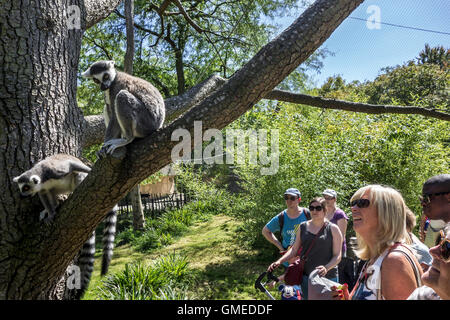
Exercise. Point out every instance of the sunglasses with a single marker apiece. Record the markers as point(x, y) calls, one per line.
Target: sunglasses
point(426, 198)
point(318, 208)
point(444, 243)
point(361, 203)
point(292, 198)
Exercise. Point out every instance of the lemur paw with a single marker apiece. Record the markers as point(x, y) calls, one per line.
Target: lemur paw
point(43, 215)
point(48, 221)
point(102, 152)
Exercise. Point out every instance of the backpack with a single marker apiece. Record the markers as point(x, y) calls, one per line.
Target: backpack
point(281, 217)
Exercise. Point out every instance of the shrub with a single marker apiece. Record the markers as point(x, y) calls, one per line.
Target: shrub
point(165, 278)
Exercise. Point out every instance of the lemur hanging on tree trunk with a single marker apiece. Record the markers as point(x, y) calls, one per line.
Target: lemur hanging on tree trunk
point(58, 175)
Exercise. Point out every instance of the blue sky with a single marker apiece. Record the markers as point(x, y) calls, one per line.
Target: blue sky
point(361, 52)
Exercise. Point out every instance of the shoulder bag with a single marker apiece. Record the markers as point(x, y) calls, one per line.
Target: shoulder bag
point(294, 273)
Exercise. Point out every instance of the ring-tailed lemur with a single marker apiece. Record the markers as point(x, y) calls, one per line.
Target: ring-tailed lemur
point(55, 175)
point(61, 174)
point(134, 107)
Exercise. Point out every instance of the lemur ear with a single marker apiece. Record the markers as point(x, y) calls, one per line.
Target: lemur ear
point(16, 179)
point(87, 73)
point(111, 63)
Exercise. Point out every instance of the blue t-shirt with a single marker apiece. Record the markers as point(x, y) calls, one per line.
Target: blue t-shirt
point(290, 227)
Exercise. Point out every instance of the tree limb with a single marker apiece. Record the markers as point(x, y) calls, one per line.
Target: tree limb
point(320, 102)
point(187, 17)
point(163, 7)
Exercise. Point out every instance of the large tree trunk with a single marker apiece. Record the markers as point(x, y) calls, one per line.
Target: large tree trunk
point(39, 55)
point(39, 117)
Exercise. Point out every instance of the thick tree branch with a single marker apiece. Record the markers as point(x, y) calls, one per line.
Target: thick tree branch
point(97, 10)
point(320, 102)
point(93, 131)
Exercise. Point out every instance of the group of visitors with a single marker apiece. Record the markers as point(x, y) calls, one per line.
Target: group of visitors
point(396, 264)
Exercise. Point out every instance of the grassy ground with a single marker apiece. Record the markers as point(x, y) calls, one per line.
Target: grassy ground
point(222, 269)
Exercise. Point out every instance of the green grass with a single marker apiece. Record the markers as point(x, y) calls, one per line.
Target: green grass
point(219, 266)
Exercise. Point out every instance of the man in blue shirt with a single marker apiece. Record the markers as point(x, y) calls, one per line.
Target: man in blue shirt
point(290, 221)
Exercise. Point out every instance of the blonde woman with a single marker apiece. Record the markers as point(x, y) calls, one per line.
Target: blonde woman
point(391, 272)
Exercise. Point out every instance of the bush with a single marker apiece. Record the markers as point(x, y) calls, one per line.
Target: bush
point(339, 150)
point(173, 223)
point(165, 279)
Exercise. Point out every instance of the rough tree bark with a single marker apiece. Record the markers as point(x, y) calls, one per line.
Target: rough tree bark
point(39, 53)
point(39, 117)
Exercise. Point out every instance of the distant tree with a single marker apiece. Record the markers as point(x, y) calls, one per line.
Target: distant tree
point(422, 83)
point(411, 84)
point(437, 55)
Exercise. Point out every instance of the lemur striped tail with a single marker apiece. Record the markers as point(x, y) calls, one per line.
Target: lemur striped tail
point(85, 261)
point(109, 233)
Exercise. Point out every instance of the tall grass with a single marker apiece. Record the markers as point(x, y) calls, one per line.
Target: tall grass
point(166, 278)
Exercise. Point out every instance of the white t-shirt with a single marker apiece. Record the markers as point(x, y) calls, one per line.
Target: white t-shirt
point(432, 232)
point(424, 293)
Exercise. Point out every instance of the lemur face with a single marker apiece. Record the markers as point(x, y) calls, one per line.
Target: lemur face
point(28, 186)
point(102, 72)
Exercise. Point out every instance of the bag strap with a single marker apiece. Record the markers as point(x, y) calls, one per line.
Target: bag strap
point(314, 240)
point(307, 213)
point(281, 220)
point(411, 261)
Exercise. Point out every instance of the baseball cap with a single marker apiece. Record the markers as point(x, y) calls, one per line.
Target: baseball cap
point(294, 192)
point(330, 192)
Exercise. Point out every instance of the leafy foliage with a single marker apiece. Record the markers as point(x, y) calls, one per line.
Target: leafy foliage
point(343, 151)
point(165, 279)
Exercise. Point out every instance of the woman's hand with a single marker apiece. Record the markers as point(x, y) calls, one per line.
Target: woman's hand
point(273, 266)
point(322, 270)
point(340, 293)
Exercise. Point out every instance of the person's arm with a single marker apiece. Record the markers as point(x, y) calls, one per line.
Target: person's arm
point(397, 277)
point(290, 253)
point(342, 224)
point(272, 238)
point(337, 251)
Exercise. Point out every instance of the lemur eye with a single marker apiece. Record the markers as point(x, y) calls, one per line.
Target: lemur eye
point(96, 80)
point(105, 77)
point(25, 188)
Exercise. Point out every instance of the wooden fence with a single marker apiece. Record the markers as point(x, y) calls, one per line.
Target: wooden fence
point(154, 203)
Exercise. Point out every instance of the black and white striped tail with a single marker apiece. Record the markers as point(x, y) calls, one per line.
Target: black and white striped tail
point(85, 261)
point(109, 233)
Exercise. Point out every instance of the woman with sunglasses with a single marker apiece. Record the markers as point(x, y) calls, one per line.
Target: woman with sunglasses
point(437, 277)
point(325, 254)
point(391, 272)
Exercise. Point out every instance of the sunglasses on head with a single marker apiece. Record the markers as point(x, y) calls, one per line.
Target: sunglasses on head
point(317, 208)
point(444, 245)
point(360, 203)
point(427, 197)
point(288, 197)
